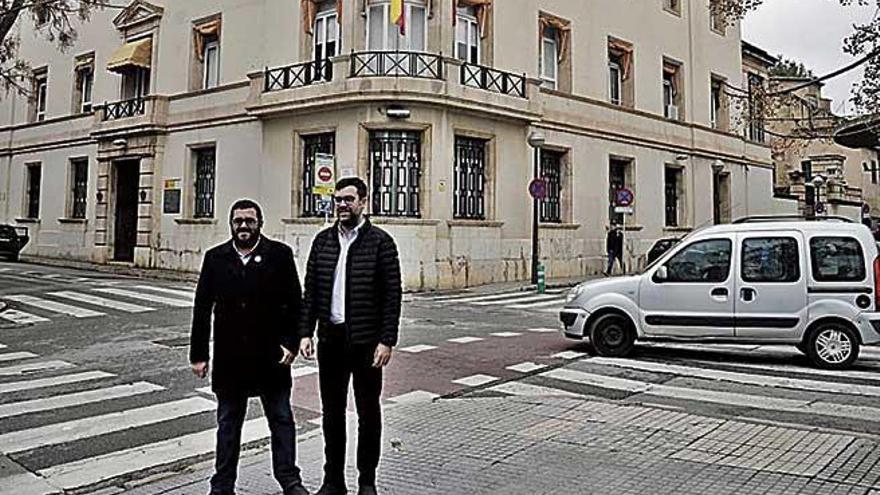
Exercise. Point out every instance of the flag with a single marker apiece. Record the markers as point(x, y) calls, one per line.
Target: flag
point(397, 15)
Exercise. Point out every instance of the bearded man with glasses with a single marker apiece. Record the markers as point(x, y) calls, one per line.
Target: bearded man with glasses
point(251, 286)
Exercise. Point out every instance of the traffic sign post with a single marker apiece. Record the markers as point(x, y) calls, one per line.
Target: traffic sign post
point(623, 201)
point(324, 182)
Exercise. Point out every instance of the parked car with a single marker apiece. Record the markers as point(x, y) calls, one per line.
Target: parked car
point(659, 247)
point(12, 241)
point(812, 284)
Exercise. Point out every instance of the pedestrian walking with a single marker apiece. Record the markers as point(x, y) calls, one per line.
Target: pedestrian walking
point(614, 248)
point(353, 294)
point(250, 284)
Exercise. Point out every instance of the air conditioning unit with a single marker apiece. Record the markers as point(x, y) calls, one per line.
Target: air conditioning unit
point(672, 112)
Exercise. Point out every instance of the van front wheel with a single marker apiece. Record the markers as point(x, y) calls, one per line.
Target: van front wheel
point(832, 346)
point(612, 335)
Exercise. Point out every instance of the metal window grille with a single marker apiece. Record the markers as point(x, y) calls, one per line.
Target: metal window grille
point(671, 194)
point(551, 171)
point(205, 174)
point(470, 178)
point(312, 145)
point(395, 169)
point(80, 187)
point(616, 181)
point(33, 191)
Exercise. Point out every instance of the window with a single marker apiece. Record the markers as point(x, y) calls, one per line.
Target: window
point(717, 22)
point(770, 259)
point(382, 35)
point(467, 35)
point(32, 193)
point(39, 88)
point(717, 103)
point(549, 68)
point(212, 65)
point(673, 6)
point(326, 34)
point(395, 173)
point(618, 178)
point(837, 259)
point(551, 172)
point(206, 54)
point(205, 170)
point(312, 145)
point(620, 66)
point(615, 81)
point(756, 107)
point(470, 178)
point(701, 262)
point(673, 101)
point(84, 78)
point(807, 170)
point(135, 83)
point(672, 190)
point(79, 187)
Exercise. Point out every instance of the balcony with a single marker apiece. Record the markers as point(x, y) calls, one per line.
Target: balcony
point(144, 115)
point(408, 77)
point(123, 109)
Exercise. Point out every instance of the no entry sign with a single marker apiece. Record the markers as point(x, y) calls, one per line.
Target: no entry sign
point(324, 175)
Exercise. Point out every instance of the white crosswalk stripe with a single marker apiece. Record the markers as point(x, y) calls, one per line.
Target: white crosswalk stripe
point(168, 301)
point(19, 386)
point(15, 356)
point(549, 302)
point(185, 294)
point(21, 318)
point(519, 299)
point(556, 301)
point(30, 368)
point(55, 307)
point(101, 301)
point(76, 399)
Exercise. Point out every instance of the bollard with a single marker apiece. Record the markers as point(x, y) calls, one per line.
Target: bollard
point(542, 286)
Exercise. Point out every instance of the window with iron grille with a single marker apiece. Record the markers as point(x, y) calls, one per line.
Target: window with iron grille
point(470, 178)
point(34, 174)
point(205, 169)
point(313, 144)
point(395, 173)
point(617, 173)
point(551, 171)
point(80, 177)
point(672, 183)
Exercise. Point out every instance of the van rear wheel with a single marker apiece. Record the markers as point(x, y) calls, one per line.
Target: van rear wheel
point(832, 346)
point(612, 335)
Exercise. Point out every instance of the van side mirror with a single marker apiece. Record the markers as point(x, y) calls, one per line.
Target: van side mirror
point(661, 274)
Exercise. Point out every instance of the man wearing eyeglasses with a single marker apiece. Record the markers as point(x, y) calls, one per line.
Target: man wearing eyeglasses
point(250, 284)
point(353, 294)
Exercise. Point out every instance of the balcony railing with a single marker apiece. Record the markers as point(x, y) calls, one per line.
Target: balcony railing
point(499, 81)
point(397, 64)
point(124, 109)
point(298, 75)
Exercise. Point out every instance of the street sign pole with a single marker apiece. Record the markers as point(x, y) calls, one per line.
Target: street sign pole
point(535, 221)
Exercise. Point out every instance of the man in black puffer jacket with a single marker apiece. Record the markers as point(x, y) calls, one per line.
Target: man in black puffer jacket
point(353, 293)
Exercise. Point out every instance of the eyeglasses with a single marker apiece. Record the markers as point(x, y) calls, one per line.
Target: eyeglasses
point(239, 221)
point(345, 199)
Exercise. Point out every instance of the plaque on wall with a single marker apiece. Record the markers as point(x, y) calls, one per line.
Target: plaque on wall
point(171, 201)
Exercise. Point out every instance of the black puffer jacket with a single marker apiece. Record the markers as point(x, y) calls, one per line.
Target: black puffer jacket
point(372, 286)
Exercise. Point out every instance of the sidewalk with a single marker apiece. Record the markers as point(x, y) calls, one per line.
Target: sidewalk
point(560, 445)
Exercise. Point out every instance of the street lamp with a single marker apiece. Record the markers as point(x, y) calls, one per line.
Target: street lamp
point(536, 141)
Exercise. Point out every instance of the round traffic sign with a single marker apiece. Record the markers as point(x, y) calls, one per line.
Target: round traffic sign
point(538, 188)
point(866, 208)
point(624, 197)
point(820, 207)
point(325, 174)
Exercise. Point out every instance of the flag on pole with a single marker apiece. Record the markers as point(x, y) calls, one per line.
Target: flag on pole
point(397, 15)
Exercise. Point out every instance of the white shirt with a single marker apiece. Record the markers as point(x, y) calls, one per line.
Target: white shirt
point(337, 303)
point(246, 257)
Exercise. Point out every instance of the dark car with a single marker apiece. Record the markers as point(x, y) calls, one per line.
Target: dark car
point(660, 247)
point(12, 241)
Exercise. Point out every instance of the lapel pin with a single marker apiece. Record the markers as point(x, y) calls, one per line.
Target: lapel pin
point(258, 258)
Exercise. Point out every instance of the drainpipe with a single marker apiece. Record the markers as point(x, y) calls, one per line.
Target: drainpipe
point(7, 191)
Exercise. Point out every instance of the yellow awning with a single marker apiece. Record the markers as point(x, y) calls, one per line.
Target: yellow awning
point(134, 54)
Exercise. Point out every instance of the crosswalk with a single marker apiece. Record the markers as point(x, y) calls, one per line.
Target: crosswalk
point(549, 302)
point(91, 302)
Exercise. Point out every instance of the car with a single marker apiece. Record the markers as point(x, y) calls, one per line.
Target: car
point(12, 240)
point(760, 280)
point(659, 247)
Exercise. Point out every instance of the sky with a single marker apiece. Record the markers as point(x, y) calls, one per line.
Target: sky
point(812, 32)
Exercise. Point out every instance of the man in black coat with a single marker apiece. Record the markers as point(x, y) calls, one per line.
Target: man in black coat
point(614, 247)
point(353, 293)
point(251, 286)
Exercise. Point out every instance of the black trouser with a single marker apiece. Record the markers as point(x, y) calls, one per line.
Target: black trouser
point(337, 362)
point(231, 411)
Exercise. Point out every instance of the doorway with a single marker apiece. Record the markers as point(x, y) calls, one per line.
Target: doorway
point(126, 209)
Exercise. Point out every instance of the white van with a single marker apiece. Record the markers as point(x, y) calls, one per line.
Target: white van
point(761, 280)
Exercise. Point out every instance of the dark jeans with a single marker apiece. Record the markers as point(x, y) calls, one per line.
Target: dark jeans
point(231, 411)
point(337, 363)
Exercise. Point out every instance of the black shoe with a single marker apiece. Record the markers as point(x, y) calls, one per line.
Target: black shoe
point(331, 489)
point(367, 490)
point(297, 489)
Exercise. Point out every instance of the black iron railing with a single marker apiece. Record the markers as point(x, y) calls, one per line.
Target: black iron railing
point(298, 75)
point(125, 108)
point(499, 81)
point(397, 63)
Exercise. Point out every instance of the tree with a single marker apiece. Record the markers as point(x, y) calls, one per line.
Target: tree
point(790, 68)
point(53, 19)
point(862, 43)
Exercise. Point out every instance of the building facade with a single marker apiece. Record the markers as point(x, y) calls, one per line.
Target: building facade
point(134, 143)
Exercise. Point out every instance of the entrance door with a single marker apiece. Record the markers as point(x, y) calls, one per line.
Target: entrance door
point(126, 212)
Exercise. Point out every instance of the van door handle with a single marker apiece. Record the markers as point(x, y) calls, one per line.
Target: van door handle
point(719, 292)
point(747, 294)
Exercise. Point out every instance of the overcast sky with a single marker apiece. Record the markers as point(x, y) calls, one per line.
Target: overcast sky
point(812, 32)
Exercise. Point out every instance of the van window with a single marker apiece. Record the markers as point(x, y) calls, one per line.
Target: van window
point(770, 259)
point(704, 261)
point(837, 259)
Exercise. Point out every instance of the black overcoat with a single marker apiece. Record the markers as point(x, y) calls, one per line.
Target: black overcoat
point(256, 309)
